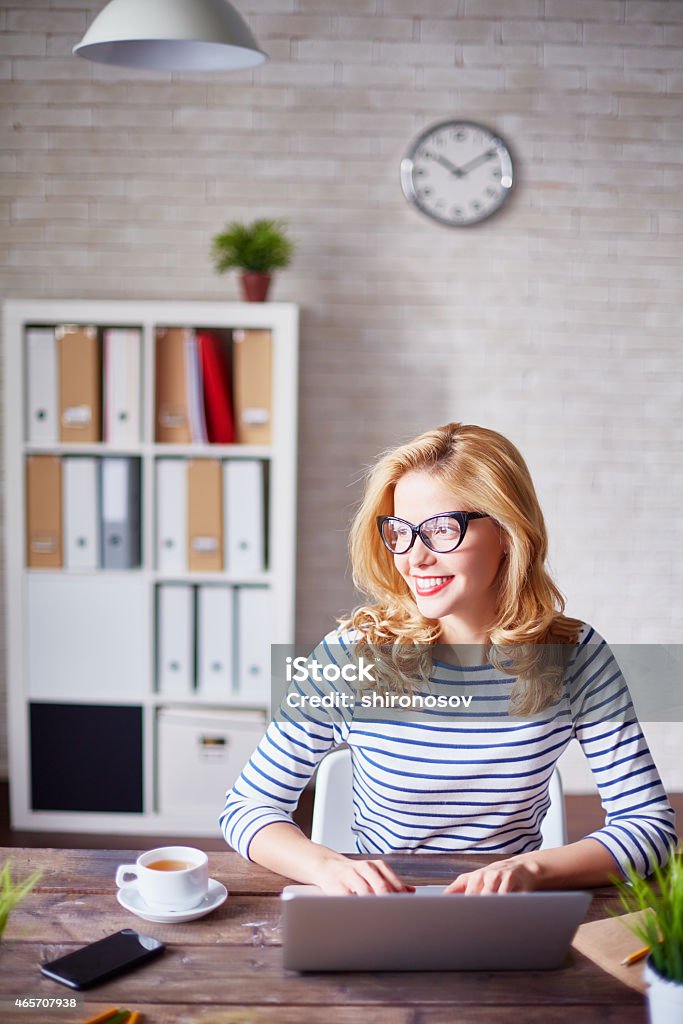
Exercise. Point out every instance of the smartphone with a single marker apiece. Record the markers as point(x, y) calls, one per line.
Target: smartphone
point(103, 959)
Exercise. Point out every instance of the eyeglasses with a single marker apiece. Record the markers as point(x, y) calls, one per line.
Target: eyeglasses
point(442, 533)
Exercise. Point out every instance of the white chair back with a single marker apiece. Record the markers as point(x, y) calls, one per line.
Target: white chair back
point(333, 806)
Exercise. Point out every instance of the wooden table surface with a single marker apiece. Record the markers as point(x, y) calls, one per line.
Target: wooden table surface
point(226, 968)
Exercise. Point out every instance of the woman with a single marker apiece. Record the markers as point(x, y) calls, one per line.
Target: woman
point(450, 545)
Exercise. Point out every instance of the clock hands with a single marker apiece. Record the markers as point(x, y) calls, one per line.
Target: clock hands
point(444, 162)
point(460, 172)
point(482, 158)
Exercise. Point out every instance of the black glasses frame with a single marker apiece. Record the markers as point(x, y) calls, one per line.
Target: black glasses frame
point(462, 517)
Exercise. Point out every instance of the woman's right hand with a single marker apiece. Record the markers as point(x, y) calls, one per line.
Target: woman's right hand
point(282, 847)
point(337, 875)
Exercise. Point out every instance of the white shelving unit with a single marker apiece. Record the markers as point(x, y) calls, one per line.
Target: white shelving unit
point(137, 689)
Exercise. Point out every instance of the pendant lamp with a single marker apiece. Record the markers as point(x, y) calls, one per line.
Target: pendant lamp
point(171, 35)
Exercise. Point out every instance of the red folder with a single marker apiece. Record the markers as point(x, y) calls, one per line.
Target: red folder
point(217, 401)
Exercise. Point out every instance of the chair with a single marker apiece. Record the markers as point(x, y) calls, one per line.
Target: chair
point(333, 806)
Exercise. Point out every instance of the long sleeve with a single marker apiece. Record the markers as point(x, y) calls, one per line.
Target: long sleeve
point(270, 784)
point(639, 825)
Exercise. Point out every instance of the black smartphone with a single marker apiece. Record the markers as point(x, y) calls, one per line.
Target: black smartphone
point(103, 959)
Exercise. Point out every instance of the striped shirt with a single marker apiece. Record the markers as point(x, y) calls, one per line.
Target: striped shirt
point(464, 781)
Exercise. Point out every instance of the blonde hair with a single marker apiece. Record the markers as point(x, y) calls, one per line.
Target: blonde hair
point(488, 472)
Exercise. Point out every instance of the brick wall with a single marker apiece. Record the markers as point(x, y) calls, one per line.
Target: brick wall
point(557, 322)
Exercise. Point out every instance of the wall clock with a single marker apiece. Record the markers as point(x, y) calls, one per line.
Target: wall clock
point(457, 172)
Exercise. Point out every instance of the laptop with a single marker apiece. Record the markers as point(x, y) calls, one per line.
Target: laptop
point(428, 931)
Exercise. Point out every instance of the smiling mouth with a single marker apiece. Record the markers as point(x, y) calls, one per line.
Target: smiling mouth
point(426, 585)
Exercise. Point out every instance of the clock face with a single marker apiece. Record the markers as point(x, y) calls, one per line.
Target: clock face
point(457, 172)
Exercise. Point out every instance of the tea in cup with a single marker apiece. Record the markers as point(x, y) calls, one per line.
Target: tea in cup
point(168, 878)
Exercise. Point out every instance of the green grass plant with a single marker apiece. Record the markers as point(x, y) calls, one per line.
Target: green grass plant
point(661, 926)
point(12, 893)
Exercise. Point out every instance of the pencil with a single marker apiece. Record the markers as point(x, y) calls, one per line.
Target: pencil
point(100, 1018)
point(135, 1017)
point(633, 958)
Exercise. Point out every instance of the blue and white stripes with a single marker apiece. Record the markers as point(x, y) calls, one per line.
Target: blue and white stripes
point(475, 780)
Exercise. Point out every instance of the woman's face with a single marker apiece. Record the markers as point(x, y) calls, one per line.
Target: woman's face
point(462, 582)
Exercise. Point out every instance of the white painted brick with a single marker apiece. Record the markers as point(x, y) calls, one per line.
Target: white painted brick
point(658, 106)
point(627, 81)
point(22, 44)
point(583, 56)
point(45, 20)
point(586, 10)
point(26, 141)
point(290, 26)
point(356, 51)
point(541, 31)
point(464, 78)
point(13, 186)
point(250, 7)
point(202, 117)
point(297, 170)
point(52, 70)
point(392, 77)
point(300, 119)
point(654, 11)
point(315, 74)
point(84, 187)
point(672, 35)
point(644, 154)
point(364, 122)
point(40, 117)
point(30, 210)
point(113, 73)
point(504, 56)
point(427, 8)
point(159, 94)
point(628, 34)
point(95, 140)
point(657, 58)
point(254, 96)
point(545, 80)
point(417, 53)
point(577, 103)
point(71, 93)
point(509, 8)
point(469, 30)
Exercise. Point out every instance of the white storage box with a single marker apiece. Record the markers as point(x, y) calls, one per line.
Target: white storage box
point(201, 753)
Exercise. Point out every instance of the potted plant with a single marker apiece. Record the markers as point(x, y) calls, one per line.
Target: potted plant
point(256, 249)
point(12, 893)
point(661, 929)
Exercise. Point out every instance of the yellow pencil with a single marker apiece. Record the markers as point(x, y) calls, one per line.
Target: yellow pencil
point(633, 958)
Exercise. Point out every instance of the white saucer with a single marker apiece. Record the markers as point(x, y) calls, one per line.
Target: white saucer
point(131, 899)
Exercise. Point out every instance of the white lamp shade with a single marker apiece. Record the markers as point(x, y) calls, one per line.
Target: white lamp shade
point(171, 35)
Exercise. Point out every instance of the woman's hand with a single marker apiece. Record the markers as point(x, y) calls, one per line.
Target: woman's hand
point(516, 874)
point(340, 874)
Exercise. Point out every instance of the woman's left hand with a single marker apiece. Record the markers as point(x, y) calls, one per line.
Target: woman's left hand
point(516, 874)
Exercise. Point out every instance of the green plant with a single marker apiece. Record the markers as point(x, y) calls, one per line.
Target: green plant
point(661, 928)
point(260, 247)
point(12, 893)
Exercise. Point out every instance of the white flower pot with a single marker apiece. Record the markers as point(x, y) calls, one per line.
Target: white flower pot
point(664, 997)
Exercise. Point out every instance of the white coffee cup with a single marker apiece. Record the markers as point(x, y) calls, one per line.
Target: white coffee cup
point(168, 878)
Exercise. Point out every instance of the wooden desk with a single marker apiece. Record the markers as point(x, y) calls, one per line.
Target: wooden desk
point(227, 967)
